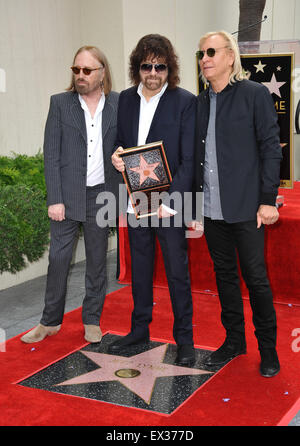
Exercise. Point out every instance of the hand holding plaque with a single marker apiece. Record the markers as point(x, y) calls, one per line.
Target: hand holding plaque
point(146, 175)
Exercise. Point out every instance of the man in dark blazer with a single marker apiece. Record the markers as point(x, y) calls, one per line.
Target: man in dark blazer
point(79, 139)
point(237, 166)
point(157, 109)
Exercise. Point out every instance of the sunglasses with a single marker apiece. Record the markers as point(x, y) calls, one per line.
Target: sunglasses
point(86, 71)
point(210, 52)
point(158, 67)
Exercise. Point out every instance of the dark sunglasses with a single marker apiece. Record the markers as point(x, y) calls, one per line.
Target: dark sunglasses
point(158, 67)
point(86, 71)
point(210, 52)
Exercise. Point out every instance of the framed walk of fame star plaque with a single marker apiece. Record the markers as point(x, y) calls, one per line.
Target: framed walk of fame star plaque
point(146, 175)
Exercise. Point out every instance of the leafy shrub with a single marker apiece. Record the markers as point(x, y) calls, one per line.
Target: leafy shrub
point(24, 226)
point(24, 222)
point(23, 169)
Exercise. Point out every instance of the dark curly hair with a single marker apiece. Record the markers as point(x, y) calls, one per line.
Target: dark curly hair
point(156, 46)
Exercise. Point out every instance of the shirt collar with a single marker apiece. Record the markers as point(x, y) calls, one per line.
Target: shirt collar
point(99, 107)
point(158, 95)
point(228, 87)
point(211, 92)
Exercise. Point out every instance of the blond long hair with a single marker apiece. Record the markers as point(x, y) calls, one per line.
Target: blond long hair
point(100, 56)
point(237, 73)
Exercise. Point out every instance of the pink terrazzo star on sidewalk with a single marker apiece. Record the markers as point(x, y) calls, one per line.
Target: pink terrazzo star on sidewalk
point(142, 371)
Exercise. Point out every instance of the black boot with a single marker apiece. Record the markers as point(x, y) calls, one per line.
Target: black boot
point(185, 355)
point(130, 339)
point(229, 350)
point(269, 365)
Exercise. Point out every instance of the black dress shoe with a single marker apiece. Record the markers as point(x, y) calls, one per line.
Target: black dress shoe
point(126, 341)
point(185, 355)
point(226, 353)
point(269, 365)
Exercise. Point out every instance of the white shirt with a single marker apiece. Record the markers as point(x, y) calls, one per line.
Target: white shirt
point(147, 111)
point(95, 166)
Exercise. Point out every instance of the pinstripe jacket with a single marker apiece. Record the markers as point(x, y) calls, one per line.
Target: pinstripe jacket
point(65, 152)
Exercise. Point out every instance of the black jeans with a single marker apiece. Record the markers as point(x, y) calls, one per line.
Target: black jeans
point(174, 249)
point(225, 241)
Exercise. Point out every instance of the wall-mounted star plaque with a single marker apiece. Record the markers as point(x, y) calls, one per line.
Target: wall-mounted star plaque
point(275, 71)
point(146, 176)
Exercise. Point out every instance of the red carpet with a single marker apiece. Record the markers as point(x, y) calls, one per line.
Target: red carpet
point(236, 396)
point(282, 248)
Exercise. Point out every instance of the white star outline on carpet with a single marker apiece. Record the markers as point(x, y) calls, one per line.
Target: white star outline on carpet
point(147, 365)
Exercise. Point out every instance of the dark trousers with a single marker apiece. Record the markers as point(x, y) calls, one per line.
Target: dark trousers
point(62, 239)
point(174, 248)
point(224, 242)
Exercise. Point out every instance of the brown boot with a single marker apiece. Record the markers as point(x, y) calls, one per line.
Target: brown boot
point(92, 333)
point(39, 333)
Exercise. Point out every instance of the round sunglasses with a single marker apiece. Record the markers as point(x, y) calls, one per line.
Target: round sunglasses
point(158, 67)
point(86, 71)
point(210, 52)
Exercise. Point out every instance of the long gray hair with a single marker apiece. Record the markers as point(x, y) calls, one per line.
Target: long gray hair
point(237, 73)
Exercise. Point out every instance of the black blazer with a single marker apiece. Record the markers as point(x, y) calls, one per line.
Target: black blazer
point(65, 152)
point(248, 148)
point(173, 122)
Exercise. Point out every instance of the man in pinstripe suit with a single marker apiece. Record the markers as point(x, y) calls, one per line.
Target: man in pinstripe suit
point(80, 135)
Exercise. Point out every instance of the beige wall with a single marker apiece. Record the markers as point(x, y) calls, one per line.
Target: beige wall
point(38, 40)
point(39, 37)
point(102, 26)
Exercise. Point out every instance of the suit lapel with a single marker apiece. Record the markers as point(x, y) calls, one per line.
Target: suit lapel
point(135, 117)
point(157, 113)
point(206, 103)
point(78, 116)
point(107, 115)
point(162, 100)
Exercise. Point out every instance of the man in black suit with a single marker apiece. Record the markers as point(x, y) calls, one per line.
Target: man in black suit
point(237, 166)
point(79, 140)
point(157, 109)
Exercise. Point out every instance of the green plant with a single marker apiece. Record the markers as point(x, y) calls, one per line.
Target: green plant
point(24, 226)
point(24, 222)
point(23, 169)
